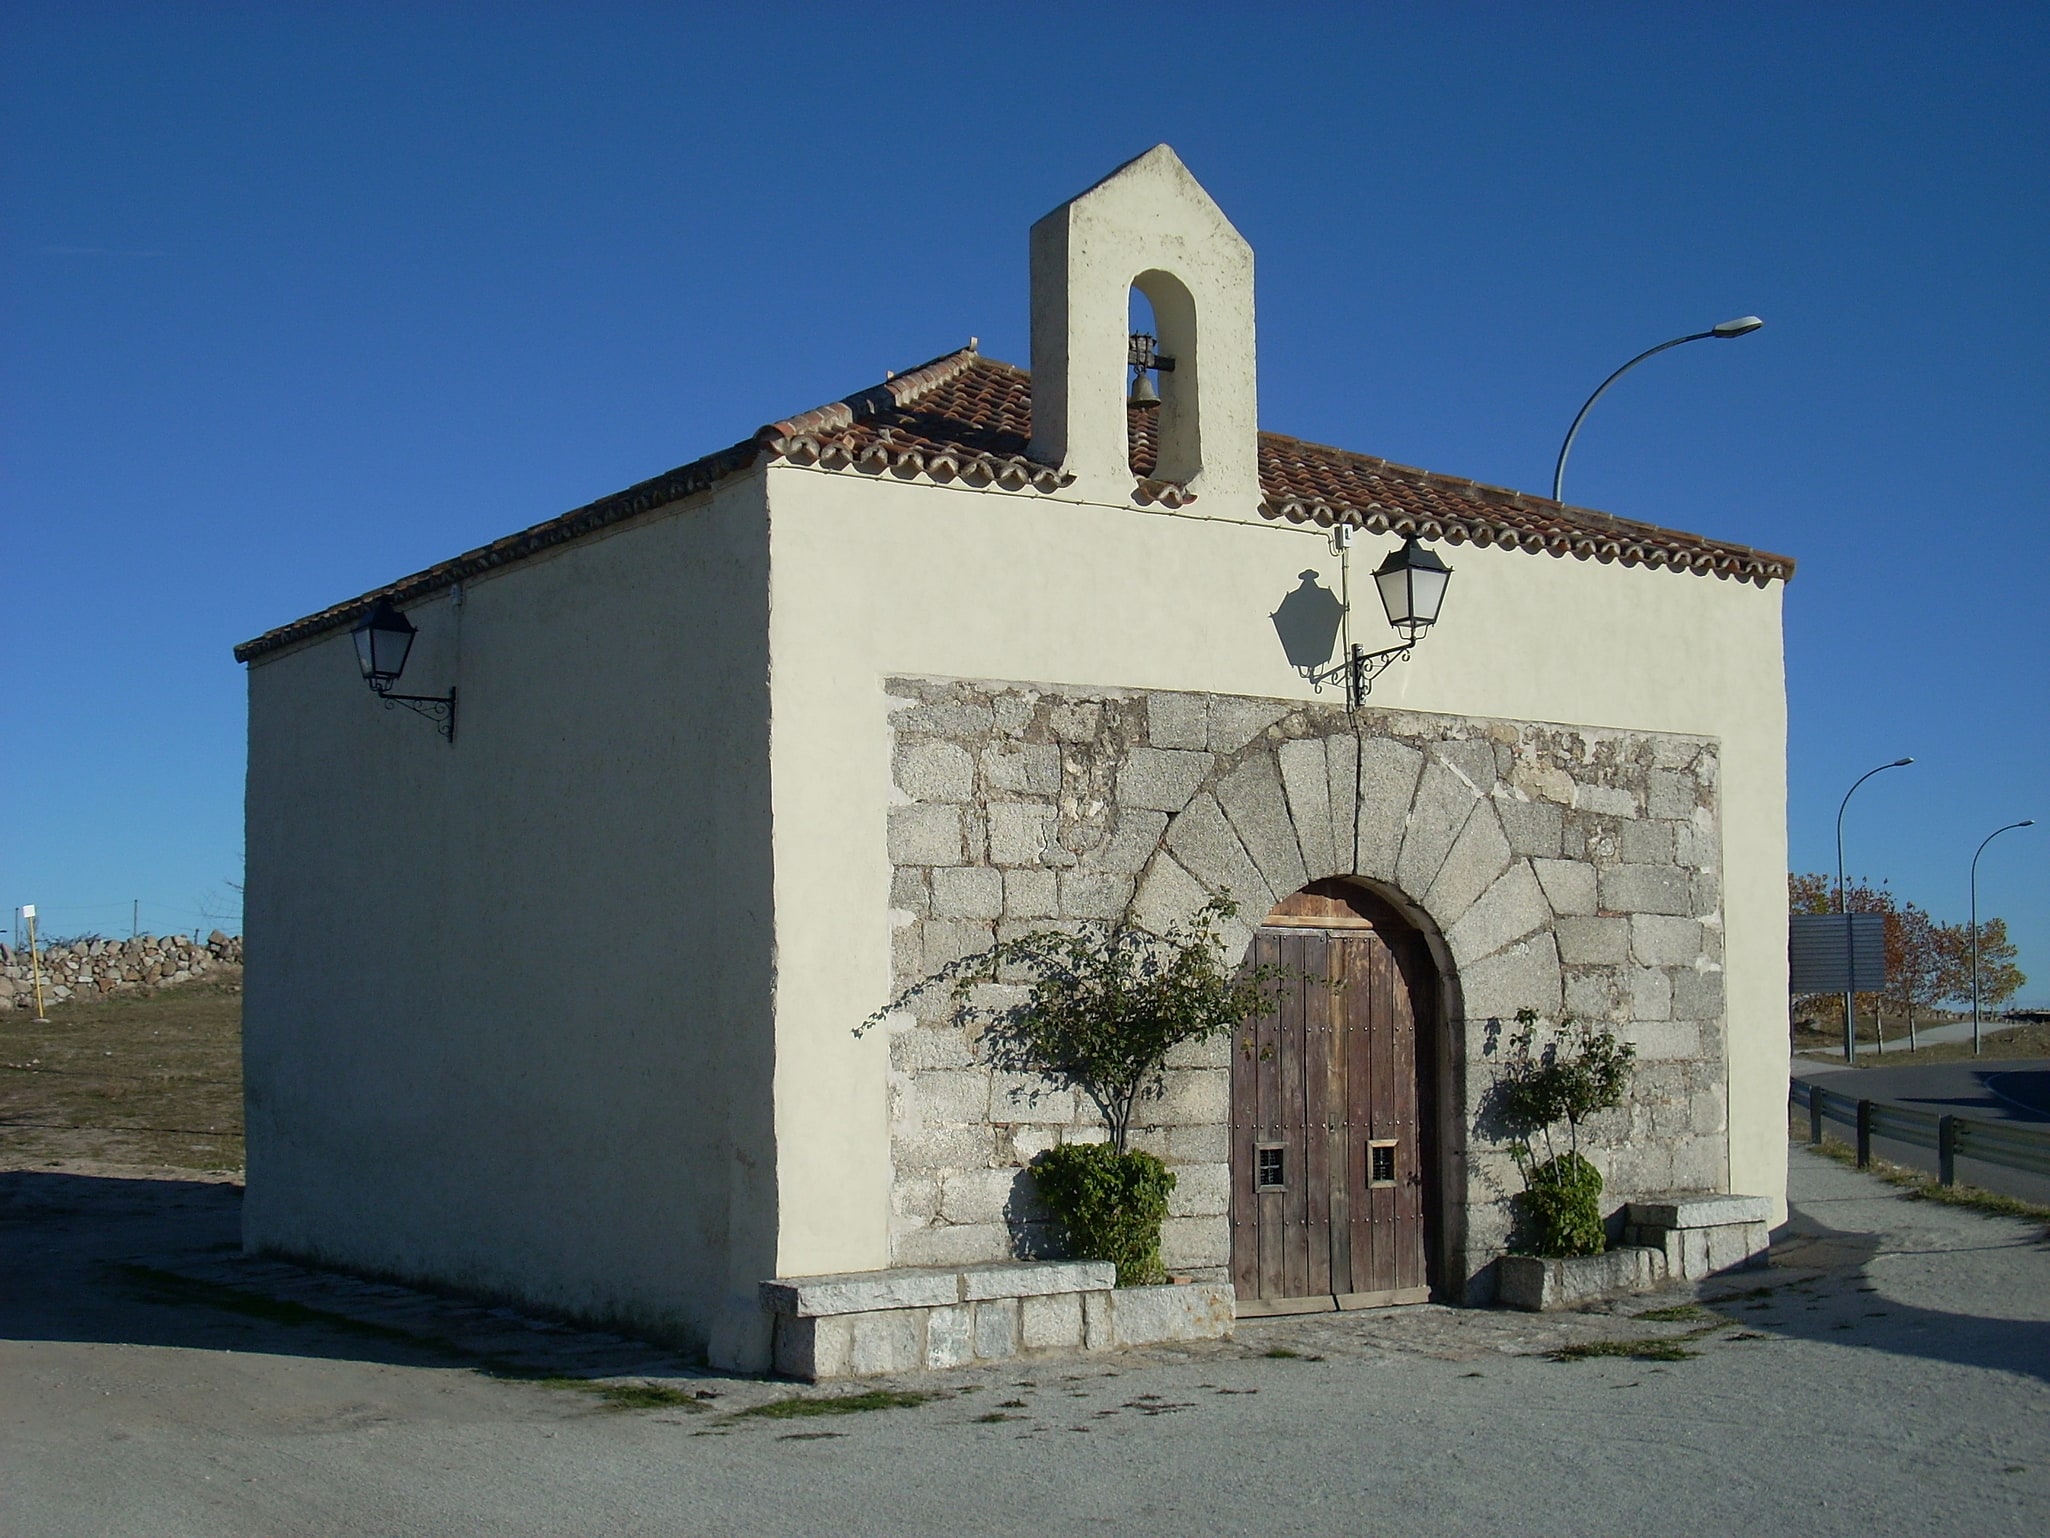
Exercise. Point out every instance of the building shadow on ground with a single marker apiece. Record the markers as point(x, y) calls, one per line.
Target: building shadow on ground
point(1846, 1307)
point(97, 1258)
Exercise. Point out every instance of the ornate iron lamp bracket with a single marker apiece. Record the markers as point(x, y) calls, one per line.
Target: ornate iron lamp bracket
point(1359, 669)
point(438, 708)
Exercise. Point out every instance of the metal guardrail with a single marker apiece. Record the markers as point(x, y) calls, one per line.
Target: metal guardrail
point(2006, 1144)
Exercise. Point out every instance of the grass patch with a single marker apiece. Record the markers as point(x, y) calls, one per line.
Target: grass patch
point(1999, 1044)
point(1674, 1314)
point(167, 1287)
point(1920, 1186)
point(634, 1396)
point(1282, 1354)
point(157, 1286)
point(994, 1416)
point(1652, 1350)
point(837, 1404)
point(148, 1079)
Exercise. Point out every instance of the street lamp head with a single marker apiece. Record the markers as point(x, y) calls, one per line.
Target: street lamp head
point(1412, 582)
point(1900, 763)
point(1743, 325)
point(383, 637)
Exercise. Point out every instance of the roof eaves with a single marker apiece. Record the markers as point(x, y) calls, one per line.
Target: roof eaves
point(1585, 533)
point(684, 481)
point(777, 440)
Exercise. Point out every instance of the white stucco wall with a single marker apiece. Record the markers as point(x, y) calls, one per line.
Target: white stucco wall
point(877, 577)
point(505, 1021)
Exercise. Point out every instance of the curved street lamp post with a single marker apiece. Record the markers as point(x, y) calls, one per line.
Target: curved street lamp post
point(1850, 957)
point(1743, 325)
point(2026, 822)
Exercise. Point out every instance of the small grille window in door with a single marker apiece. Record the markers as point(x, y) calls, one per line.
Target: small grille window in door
point(1381, 1162)
point(1272, 1173)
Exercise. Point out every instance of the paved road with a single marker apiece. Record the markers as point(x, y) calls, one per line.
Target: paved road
point(1894, 1377)
point(2004, 1090)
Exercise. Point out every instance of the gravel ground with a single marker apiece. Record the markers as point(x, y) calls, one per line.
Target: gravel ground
point(1890, 1372)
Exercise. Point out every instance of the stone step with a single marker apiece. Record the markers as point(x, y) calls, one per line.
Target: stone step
point(913, 1319)
point(1702, 1235)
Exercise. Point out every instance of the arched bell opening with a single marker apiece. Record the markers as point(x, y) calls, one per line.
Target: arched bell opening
point(1339, 1144)
point(1165, 436)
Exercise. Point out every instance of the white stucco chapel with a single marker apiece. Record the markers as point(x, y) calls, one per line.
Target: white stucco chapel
point(972, 650)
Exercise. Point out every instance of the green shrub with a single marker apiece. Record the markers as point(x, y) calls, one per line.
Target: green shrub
point(1563, 1199)
point(1111, 1203)
point(1576, 1073)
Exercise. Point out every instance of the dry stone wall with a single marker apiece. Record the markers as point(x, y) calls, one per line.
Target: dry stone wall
point(92, 968)
point(1571, 869)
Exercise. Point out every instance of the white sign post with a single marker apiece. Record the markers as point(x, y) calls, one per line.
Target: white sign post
point(35, 969)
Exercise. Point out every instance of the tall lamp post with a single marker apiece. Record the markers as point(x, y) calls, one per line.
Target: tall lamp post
point(1743, 325)
point(2026, 822)
point(1850, 955)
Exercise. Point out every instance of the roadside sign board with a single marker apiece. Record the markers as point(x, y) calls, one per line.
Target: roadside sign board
point(1817, 955)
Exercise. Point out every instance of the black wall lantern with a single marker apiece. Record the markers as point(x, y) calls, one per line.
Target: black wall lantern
point(383, 638)
point(1412, 584)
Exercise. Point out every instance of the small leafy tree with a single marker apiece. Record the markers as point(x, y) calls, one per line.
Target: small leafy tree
point(1102, 1008)
point(1576, 1073)
point(1105, 1005)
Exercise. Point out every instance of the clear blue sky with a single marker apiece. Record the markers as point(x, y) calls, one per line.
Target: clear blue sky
point(300, 298)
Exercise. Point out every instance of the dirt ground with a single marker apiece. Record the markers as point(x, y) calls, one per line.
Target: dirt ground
point(139, 1081)
point(1889, 1373)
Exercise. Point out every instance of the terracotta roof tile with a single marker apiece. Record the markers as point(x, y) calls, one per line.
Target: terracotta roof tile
point(969, 418)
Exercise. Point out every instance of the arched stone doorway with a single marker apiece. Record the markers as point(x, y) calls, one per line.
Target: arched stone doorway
point(1334, 1178)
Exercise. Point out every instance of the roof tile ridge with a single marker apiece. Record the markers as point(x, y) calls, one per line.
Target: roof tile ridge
point(907, 387)
point(892, 393)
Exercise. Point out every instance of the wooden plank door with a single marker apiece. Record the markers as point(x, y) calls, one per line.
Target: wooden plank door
point(1327, 1205)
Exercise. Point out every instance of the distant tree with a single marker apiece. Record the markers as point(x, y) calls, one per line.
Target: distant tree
point(1999, 978)
point(1810, 893)
point(1816, 893)
point(1916, 961)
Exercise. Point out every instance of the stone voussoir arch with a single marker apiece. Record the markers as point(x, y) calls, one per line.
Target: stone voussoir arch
point(1414, 817)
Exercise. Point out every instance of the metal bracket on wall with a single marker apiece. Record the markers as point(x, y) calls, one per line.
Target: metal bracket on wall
point(438, 708)
point(1359, 669)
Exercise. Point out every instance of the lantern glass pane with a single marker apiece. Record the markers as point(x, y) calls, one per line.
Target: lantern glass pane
point(363, 657)
point(1427, 593)
point(389, 648)
point(1395, 597)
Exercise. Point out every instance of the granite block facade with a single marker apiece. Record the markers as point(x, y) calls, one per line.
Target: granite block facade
point(1570, 869)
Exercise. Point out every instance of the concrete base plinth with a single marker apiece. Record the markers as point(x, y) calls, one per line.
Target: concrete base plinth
point(1703, 1236)
point(929, 1318)
point(1539, 1283)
